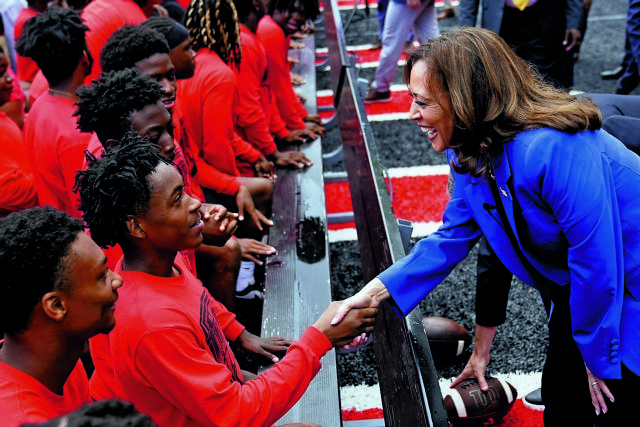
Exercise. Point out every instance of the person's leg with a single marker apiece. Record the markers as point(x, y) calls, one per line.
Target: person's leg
point(396, 29)
point(493, 282)
point(565, 391)
point(426, 24)
point(626, 129)
point(616, 105)
point(218, 269)
point(629, 80)
point(382, 11)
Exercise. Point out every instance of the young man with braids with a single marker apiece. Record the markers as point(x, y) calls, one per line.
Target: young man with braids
point(126, 101)
point(55, 40)
point(147, 51)
point(286, 17)
point(169, 353)
point(57, 292)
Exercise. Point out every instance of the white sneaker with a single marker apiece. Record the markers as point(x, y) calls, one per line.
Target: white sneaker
point(246, 287)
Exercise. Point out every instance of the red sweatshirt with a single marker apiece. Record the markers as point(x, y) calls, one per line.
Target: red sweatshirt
point(27, 67)
point(56, 150)
point(276, 45)
point(174, 364)
point(207, 104)
point(17, 190)
point(23, 399)
point(254, 94)
point(104, 17)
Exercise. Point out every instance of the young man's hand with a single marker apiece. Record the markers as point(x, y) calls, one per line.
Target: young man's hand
point(251, 249)
point(315, 128)
point(244, 201)
point(300, 136)
point(263, 168)
point(356, 322)
point(219, 224)
point(265, 347)
point(290, 159)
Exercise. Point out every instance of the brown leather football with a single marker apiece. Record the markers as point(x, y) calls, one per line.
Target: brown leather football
point(447, 339)
point(467, 405)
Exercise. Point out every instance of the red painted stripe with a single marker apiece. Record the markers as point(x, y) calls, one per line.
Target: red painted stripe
point(520, 415)
point(415, 198)
point(372, 3)
point(399, 103)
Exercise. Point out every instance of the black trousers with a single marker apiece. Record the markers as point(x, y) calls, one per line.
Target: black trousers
point(565, 387)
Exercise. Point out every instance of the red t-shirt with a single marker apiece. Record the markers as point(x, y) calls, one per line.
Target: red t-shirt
point(27, 67)
point(104, 17)
point(23, 399)
point(207, 104)
point(277, 47)
point(56, 150)
point(254, 95)
point(17, 190)
point(173, 362)
point(39, 86)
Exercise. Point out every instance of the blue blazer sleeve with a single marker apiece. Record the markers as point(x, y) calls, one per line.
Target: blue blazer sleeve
point(574, 179)
point(432, 259)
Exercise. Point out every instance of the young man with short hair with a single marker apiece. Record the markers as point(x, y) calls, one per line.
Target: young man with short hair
point(169, 354)
point(57, 292)
point(55, 40)
point(17, 190)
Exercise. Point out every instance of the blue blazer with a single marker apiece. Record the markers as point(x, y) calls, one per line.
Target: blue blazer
point(492, 13)
point(579, 198)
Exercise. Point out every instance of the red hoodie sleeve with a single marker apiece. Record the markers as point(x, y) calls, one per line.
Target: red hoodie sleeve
point(277, 46)
point(189, 377)
point(277, 126)
point(230, 326)
point(17, 189)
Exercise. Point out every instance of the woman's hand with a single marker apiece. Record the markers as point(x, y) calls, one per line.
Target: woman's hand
point(477, 364)
point(597, 387)
point(374, 290)
point(263, 346)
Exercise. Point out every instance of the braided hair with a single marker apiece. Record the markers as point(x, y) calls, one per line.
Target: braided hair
point(116, 186)
point(213, 24)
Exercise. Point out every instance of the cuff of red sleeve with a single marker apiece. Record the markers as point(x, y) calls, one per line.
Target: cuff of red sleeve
point(315, 341)
point(233, 330)
point(282, 133)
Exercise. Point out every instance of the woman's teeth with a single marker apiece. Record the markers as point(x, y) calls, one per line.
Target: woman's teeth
point(431, 132)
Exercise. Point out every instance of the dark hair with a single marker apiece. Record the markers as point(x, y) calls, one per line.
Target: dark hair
point(105, 413)
point(55, 40)
point(117, 185)
point(243, 9)
point(213, 24)
point(131, 44)
point(175, 10)
point(311, 7)
point(34, 243)
point(106, 105)
point(493, 95)
point(173, 32)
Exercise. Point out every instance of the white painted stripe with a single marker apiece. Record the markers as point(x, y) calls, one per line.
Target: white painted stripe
point(388, 117)
point(460, 348)
point(507, 390)
point(374, 64)
point(418, 171)
point(374, 5)
point(420, 229)
point(458, 403)
point(352, 48)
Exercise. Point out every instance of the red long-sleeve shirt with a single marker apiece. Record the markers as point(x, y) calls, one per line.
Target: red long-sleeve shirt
point(104, 17)
point(27, 67)
point(174, 364)
point(17, 190)
point(207, 104)
point(56, 150)
point(276, 45)
point(254, 94)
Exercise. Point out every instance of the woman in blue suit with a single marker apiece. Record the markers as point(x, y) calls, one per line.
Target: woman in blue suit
point(556, 197)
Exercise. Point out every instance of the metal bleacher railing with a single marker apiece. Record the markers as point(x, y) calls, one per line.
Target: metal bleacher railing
point(408, 382)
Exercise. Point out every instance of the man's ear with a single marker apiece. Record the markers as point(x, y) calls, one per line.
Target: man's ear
point(53, 306)
point(135, 230)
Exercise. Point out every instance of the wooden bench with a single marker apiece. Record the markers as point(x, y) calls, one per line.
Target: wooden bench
point(297, 283)
point(408, 383)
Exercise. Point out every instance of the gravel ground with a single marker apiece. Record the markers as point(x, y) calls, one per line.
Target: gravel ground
point(520, 343)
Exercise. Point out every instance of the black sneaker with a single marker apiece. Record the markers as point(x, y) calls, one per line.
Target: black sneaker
point(374, 96)
point(254, 290)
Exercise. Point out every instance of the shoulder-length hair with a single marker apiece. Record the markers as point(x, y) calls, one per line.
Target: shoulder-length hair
point(494, 95)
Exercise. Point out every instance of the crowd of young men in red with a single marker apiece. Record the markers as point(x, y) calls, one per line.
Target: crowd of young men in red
point(176, 188)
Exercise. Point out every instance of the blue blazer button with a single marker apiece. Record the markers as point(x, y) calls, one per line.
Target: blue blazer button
point(615, 361)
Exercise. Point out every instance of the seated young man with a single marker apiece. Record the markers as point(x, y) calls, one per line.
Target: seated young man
point(274, 32)
point(170, 355)
point(57, 293)
point(147, 50)
point(126, 101)
point(55, 40)
point(17, 190)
